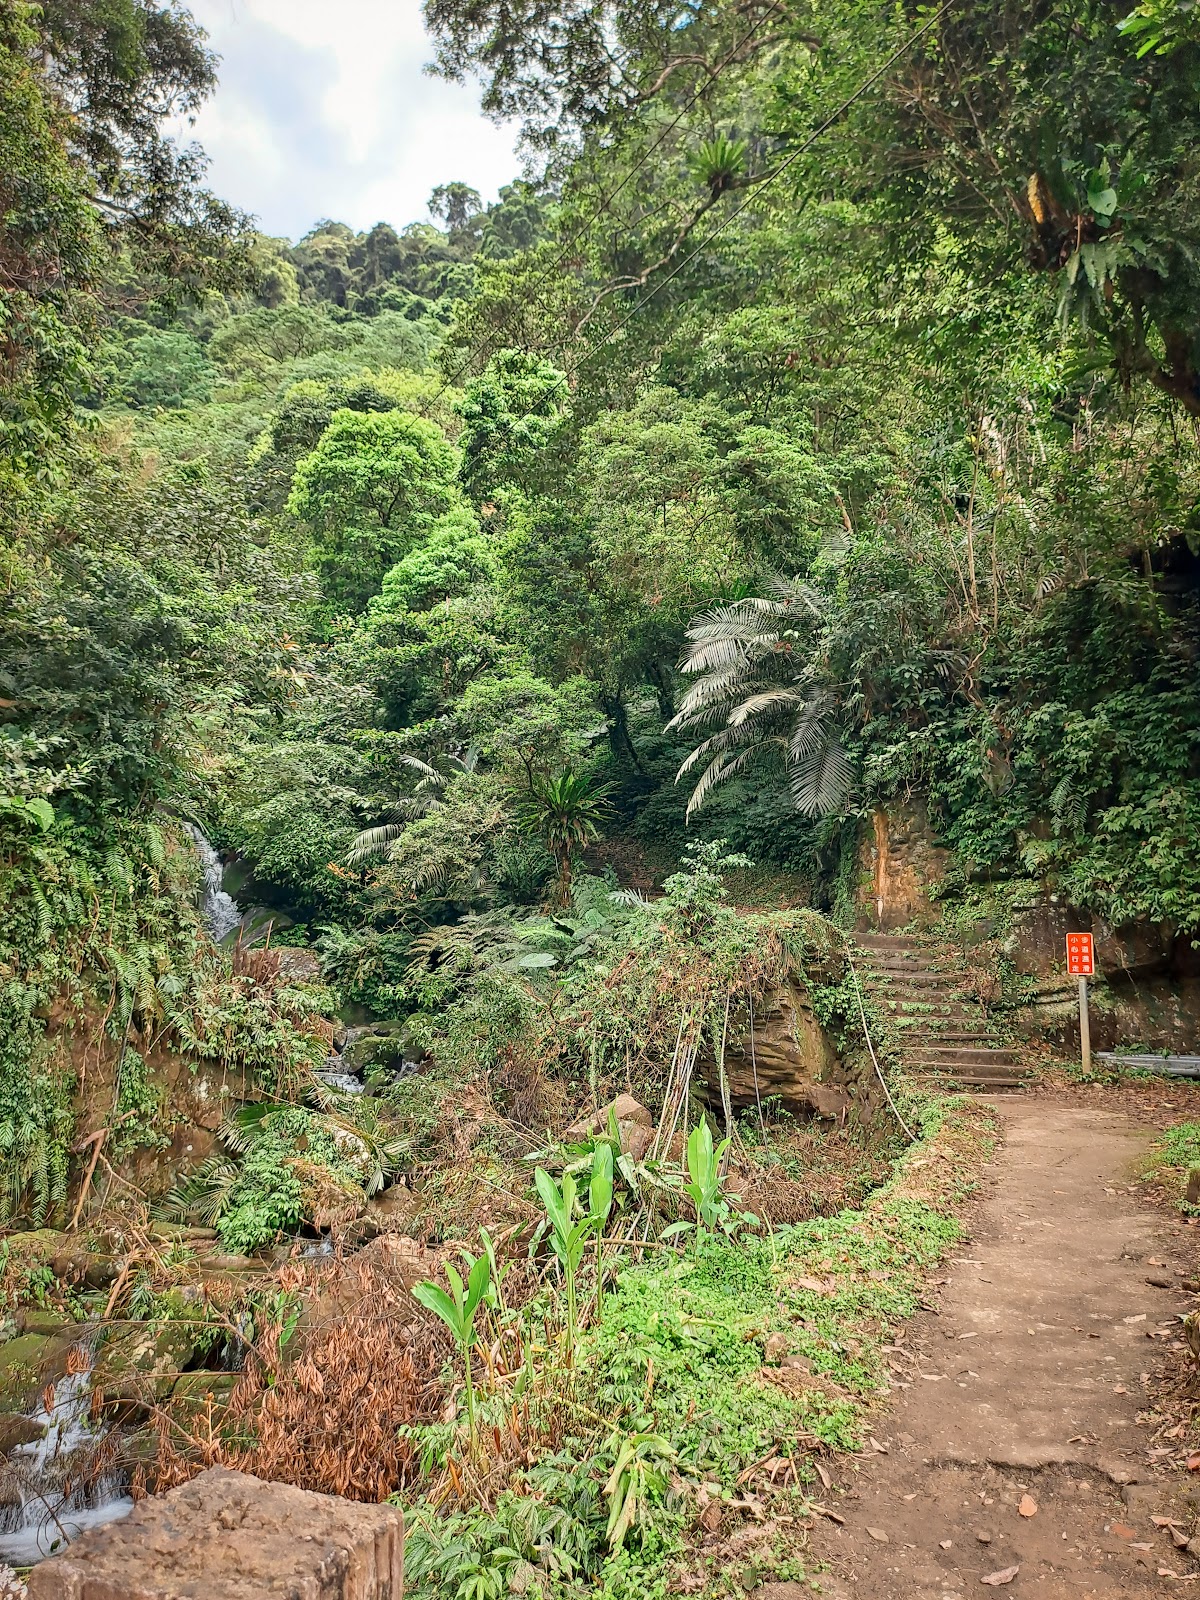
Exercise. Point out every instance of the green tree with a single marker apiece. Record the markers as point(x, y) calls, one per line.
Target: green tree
point(373, 488)
point(1034, 139)
point(122, 71)
point(453, 559)
point(510, 415)
point(165, 369)
point(591, 62)
point(51, 252)
point(251, 344)
point(565, 811)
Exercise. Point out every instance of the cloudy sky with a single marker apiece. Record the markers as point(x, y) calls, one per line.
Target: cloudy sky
point(323, 110)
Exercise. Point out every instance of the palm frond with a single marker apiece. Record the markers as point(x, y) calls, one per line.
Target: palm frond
point(724, 739)
point(714, 689)
point(714, 655)
point(420, 766)
point(720, 769)
point(821, 779)
point(793, 595)
point(373, 842)
point(241, 1128)
point(628, 897)
point(202, 1196)
point(811, 729)
point(735, 617)
point(766, 700)
point(753, 661)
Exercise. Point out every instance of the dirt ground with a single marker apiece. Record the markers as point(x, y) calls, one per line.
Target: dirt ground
point(1013, 1440)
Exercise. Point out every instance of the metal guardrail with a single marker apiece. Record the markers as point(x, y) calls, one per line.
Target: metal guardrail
point(1168, 1066)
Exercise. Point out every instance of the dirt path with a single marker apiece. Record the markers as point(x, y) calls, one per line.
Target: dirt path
point(1026, 1383)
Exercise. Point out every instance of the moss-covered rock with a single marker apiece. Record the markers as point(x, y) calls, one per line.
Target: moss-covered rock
point(31, 1361)
point(142, 1364)
point(384, 1046)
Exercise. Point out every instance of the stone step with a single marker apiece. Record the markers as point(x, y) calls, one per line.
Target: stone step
point(986, 1052)
point(917, 977)
point(915, 1039)
point(892, 952)
point(893, 968)
point(910, 1026)
point(931, 1005)
point(968, 1080)
point(1000, 1061)
point(889, 941)
point(957, 1069)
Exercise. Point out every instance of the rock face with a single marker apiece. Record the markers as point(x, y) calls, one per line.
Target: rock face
point(231, 1535)
point(898, 860)
point(1146, 992)
point(793, 1059)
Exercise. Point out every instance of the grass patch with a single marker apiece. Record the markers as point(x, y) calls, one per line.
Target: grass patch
point(1169, 1163)
point(719, 1373)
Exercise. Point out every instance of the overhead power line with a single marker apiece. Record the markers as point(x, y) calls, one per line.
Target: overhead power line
point(607, 200)
point(802, 149)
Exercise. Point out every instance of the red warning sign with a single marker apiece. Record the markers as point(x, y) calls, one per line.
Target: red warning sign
point(1081, 955)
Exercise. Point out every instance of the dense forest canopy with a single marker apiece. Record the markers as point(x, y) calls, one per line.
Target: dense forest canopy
point(812, 427)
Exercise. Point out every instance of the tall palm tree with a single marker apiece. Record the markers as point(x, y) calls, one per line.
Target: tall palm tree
point(565, 812)
point(760, 685)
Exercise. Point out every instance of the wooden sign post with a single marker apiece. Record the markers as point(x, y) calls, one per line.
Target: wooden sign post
point(1081, 964)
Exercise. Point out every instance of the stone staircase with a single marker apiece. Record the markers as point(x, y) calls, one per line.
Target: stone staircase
point(945, 1035)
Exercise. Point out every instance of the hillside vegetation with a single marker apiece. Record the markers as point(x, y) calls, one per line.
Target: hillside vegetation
point(516, 596)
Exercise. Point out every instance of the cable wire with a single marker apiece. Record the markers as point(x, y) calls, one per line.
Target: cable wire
point(822, 127)
point(607, 200)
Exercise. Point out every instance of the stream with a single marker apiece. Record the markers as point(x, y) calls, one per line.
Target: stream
point(220, 911)
point(48, 1493)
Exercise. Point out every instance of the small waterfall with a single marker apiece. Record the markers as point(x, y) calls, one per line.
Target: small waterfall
point(219, 910)
point(43, 1504)
point(334, 1078)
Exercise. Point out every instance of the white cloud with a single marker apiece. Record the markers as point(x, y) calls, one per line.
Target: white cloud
point(324, 110)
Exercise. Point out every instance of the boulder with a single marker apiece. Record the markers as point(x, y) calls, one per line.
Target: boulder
point(143, 1362)
point(69, 1256)
point(17, 1430)
point(229, 1534)
point(407, 1260)
point(390, 1211)
point(380, 1045)
point(298, 966)
point(31, 1361)
point(635, 1126)
point(787, 1058)
point(38, 1319)
point(198, 1388)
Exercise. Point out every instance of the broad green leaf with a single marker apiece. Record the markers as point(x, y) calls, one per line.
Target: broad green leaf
point(41, 811)
point(1102, 202)
point(551, 1199)
point(477, 1283)
point(456, 1284)
point(436, 1299)
point(600, 1189)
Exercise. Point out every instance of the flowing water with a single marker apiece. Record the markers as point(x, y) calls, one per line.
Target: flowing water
point(220, 911)
point(334, 1076)
point(48, 1495)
